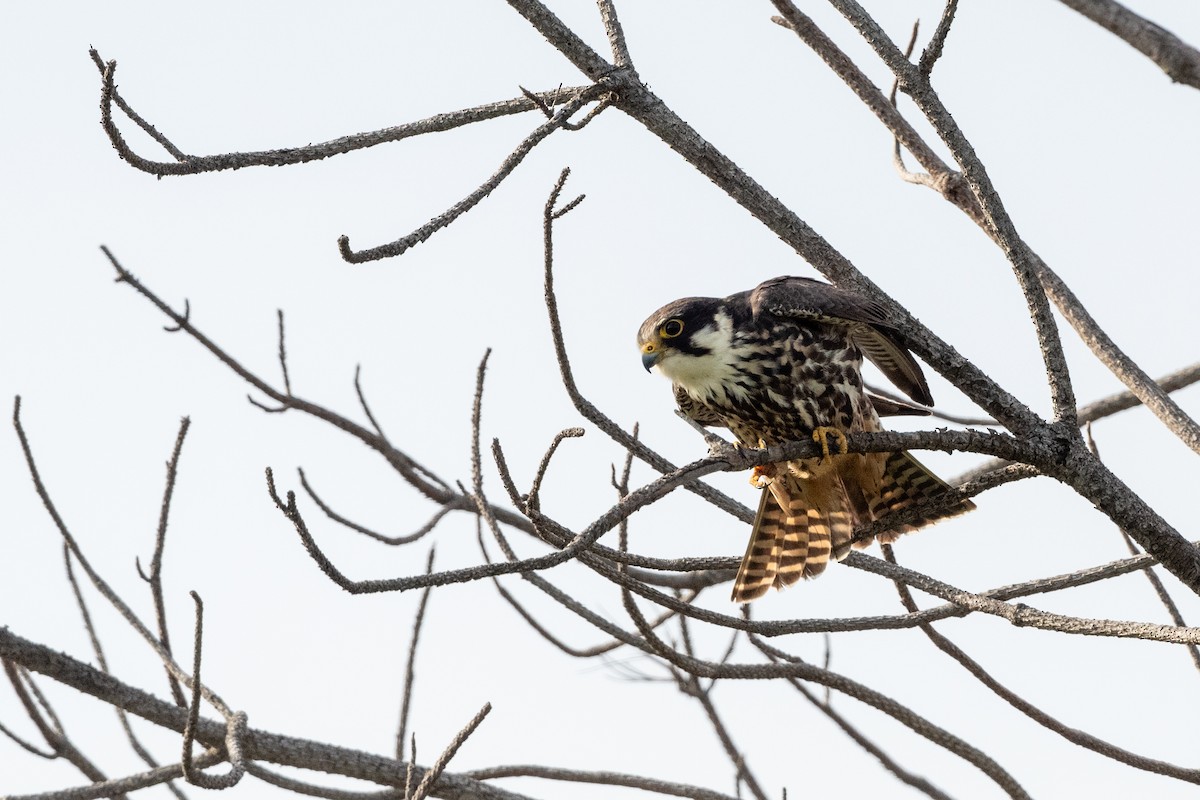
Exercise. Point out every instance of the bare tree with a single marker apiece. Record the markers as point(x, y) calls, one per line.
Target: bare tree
point(681, 642)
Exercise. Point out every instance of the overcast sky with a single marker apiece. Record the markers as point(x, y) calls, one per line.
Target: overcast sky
point(1093, 149)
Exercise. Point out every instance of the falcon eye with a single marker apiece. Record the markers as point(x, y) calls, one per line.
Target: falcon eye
point(671, 329)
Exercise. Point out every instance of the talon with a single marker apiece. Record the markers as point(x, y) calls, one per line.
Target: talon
point(762, 476)
point(821, 436)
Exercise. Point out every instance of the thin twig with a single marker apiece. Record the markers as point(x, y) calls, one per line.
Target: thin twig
point(933, 50)
point(916, 85)
point(551, 213)
point(825, 706)
point(690, 686)
point(194, 777)
point(117, 787)
point(362, 401)
point(459, 503)
point(1073, 735)
point(602, 778)
point(434, 772)
point(43, 718)
point(534, 500)
point(287, 382)
point(98, 582)
point(1164, 596)
point(191, 164)
point(261, 745)
point(505, 169)
point(102, 662)
point(156, 560)
point(235, 724)
point(410, 666)
point(616, 36)
point(795, 668)
point(1121, 401)
point(149, 129)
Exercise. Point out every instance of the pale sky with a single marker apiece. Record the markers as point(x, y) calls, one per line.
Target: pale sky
point(1092, 148)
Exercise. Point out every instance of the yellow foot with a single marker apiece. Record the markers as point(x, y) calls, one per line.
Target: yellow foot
point(821, 436)
point(762, 476)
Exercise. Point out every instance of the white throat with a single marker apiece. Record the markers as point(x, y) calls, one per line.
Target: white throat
point(712, 376)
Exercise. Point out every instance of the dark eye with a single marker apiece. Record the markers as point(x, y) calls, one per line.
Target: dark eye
point(672, 328)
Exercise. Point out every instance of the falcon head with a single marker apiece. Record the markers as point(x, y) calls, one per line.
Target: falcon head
point(690, 340)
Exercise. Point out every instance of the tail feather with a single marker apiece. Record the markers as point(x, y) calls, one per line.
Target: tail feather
point(907, 483)
point(801, 523)
point(760, 565)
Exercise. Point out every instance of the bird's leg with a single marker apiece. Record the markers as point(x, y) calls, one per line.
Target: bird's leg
point(821, 436)
point(764, 474)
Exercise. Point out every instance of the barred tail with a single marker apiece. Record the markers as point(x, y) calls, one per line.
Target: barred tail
point(798, 526)
point(906, 483)
point(802, 523)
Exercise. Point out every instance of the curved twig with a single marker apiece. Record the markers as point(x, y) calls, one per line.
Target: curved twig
point(505, 169)
point(192, 165)
point(460, 503)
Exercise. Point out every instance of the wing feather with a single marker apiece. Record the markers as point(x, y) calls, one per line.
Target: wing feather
point(702, 414)
point(870, 326)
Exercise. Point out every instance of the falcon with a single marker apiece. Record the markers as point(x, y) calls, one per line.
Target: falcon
point(783, 362)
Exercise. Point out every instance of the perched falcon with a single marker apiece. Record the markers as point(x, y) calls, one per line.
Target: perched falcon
point(779, 363)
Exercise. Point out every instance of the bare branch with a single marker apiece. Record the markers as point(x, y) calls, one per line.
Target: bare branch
point(690, 686)
point(584, 406)
point(914, 83)
point(134, 116)
point(1022, 615)
point(1125, 400)
point(409, 669)
point(102, 661)
point(236, 724)
point(1175, 57)
point(505, 169)
point(582, 541)
point(933, 50)
point(287, 382)
point(795, 668)
point(51, 730)
point(156, 560)
point(259, 745)
point(603, 778)
point(117, 787)
point(192, 165)
point(433, 773)
point(101, 585)
point(616, 36)
point(416, 475)
point(1159, 589)
point(533, 500)
point(836, 59)
point(457, 504)
point(362, 401)
point(1073, 735)
point(826, 708)
point(1125, 368)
